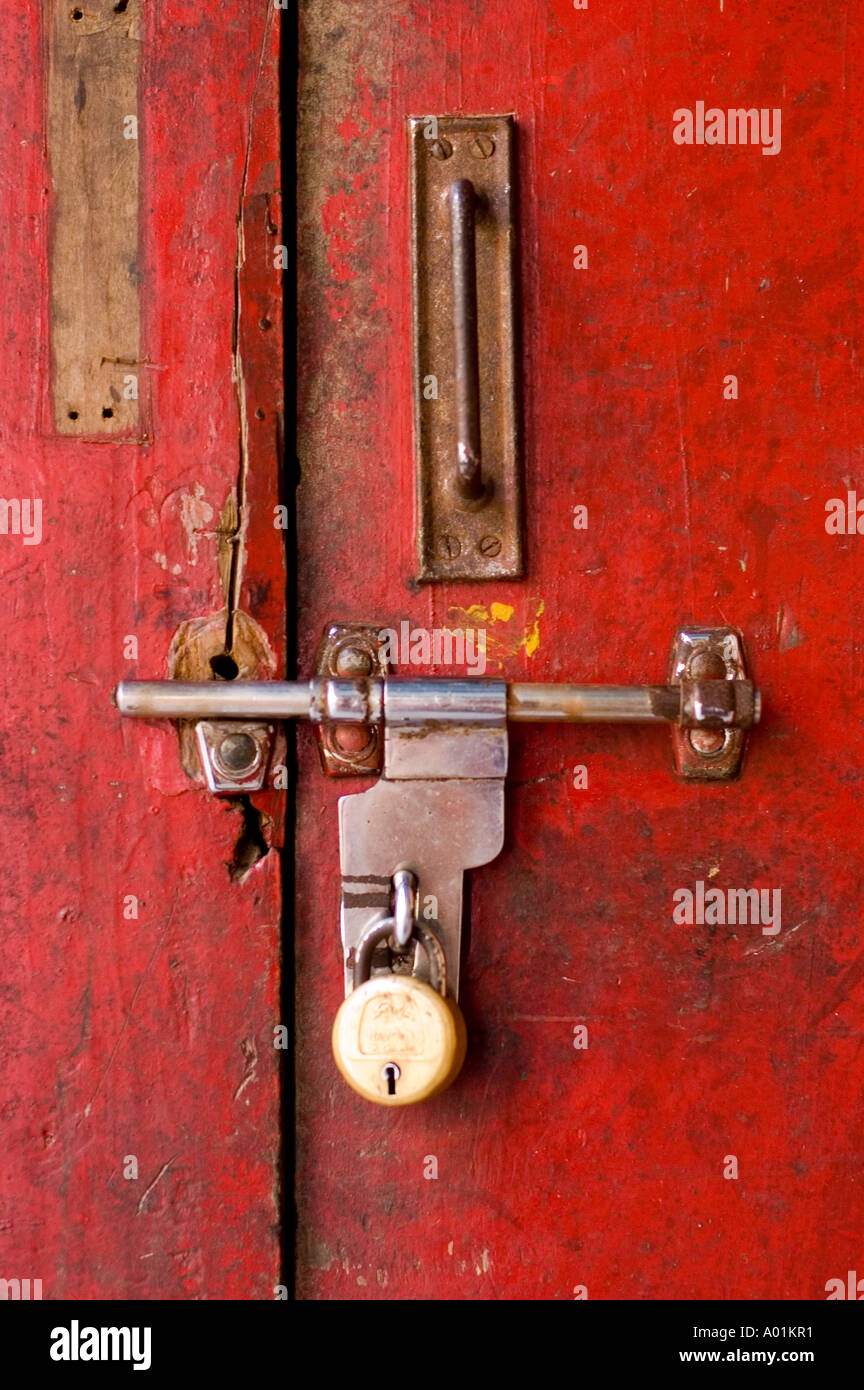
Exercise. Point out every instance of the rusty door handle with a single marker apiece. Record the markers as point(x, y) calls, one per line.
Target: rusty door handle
point(467, 480)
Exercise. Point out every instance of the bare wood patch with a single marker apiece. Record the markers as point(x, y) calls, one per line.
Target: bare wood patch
point(94, 54)
point(197, 653)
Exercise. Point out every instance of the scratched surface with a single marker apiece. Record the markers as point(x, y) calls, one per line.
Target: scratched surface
point(147, 1037)
point(603, 1168)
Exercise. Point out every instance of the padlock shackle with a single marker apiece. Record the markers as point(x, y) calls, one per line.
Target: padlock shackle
point(386, 928)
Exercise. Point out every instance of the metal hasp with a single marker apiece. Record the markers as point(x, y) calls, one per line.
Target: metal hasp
point(437, 810)
point(438, 807)
point(466, 415)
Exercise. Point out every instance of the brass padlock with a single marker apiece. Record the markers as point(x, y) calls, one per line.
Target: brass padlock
point(397, 1040)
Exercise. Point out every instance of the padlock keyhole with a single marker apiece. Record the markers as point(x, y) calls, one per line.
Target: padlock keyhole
point(391, 1076)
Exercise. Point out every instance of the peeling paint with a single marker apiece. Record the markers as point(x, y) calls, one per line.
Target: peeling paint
point(195, 517)
point(789, 634)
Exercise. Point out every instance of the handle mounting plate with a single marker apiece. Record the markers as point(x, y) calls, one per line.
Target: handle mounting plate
point(459, 539)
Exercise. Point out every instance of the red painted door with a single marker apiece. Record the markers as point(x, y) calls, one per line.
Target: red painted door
point(650, 1108)
point(140, 1116)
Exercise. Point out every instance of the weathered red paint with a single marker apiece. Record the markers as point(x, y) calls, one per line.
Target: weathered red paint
point(150, 1037)
point(604, 1168)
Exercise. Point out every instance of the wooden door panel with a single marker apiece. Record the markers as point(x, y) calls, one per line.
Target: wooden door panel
point(141, 979)
point(603, 1168)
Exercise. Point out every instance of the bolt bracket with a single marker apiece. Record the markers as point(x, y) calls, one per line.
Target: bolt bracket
point(718, 703)
point(235, 756)
point(350, 651)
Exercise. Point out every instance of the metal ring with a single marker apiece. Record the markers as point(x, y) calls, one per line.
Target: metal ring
point(405, 897)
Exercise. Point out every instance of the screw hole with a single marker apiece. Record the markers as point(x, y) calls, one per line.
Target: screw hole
point(121, 6)
point(224, 666)
point(264, 324)
point(259, 414)
point(73, 414)
point(107, 412)
point(77, 14)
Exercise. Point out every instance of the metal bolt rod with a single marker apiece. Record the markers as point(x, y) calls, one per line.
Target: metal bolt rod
point(360, 702)
point(594, 704)
point(468, 479)
point(248, 700)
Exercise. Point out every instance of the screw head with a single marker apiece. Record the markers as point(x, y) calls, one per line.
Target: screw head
point(708, 742)
point(448, 547)
point(351, 738)
point(441, 148)
point(489, 546)
point(238, 753)
point(482, 146)
point(707, 665)
point(353, 661)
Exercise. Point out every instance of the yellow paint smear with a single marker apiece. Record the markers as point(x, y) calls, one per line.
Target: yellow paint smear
point(502, 644)
point(531, 640)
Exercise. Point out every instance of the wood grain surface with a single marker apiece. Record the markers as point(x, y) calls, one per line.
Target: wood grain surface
point(93, 142)
point(139, 973)
point(562, 1169)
